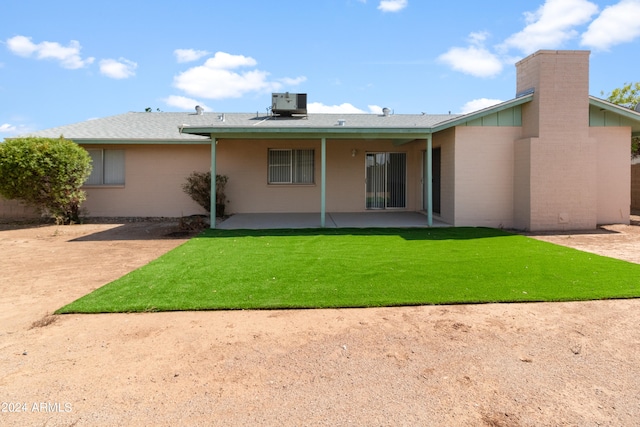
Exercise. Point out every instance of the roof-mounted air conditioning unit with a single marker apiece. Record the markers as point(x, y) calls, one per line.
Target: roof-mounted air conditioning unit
point(287, 104)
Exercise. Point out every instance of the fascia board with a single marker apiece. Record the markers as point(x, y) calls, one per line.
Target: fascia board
point(481, 113)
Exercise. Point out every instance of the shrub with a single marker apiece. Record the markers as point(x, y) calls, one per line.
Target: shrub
point(45, 173)
point(198, 186)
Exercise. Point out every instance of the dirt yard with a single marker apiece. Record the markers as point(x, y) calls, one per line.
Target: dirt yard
point(563, 364)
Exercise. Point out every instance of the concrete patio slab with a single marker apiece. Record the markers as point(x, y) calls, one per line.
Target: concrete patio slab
point(260, 221)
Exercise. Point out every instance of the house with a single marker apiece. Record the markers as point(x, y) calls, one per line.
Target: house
point(551, 158)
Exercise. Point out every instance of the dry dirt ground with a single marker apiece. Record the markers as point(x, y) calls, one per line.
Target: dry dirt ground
point(479, 365)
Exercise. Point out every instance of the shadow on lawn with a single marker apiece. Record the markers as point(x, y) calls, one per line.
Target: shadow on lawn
point(597, 231)
point(444, 233)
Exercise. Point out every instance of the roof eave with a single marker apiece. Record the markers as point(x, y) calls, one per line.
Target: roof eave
point(139, 141)
point(484, 112)
point(618, 109)
point(242, 132)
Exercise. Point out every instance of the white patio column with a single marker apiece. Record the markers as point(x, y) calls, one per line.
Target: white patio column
point(429, 167)
point(323, 181)
point(212, 219)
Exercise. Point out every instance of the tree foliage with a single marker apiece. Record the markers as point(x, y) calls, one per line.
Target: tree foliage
point(628, 96)
point(46, 173)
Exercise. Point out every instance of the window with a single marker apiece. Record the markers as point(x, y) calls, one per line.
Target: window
point(108, 167)
point(291, 166)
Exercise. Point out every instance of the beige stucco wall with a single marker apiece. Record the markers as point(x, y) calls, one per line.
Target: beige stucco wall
point(154, 175)
point(446, 142)
point(153, 178)
point(245, 163)
point(522, 183)
point(613, 174)
point(563, 193)
point(12, 209)
point(484, 175)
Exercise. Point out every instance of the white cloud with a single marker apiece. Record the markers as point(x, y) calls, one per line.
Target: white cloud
point(21, 45)
point(6, 128)
point(225, 60)
point(68, 56)
point(185, 103)
point(474, 60)
point(616, 24)
point(345, 108)
point(289, 81)
point(217, 78)
point(320, 108)
point(478, 38)
point(479, 104)
point(551, 25)
point(392, 5)
point(118, 69)
point(189, 55)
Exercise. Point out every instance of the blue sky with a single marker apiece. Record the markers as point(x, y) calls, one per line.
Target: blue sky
point(68, 61)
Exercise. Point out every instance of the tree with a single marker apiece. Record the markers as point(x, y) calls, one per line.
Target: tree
point(628, 96)
point(45, 173)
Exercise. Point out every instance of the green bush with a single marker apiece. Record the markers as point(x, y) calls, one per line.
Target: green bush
point(45, 173)
point(198, 187)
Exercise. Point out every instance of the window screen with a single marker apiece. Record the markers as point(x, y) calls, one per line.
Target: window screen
point(291, 166)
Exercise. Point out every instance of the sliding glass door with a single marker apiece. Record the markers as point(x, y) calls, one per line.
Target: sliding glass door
point(386, 178)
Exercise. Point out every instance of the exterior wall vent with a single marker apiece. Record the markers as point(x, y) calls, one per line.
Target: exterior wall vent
point(288, 104)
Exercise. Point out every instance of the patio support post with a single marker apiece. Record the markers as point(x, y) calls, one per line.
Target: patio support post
point(429, 166)
point(212, 219)
point(323, 181)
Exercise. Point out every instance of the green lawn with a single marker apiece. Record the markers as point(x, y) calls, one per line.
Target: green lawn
point(249, 269)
